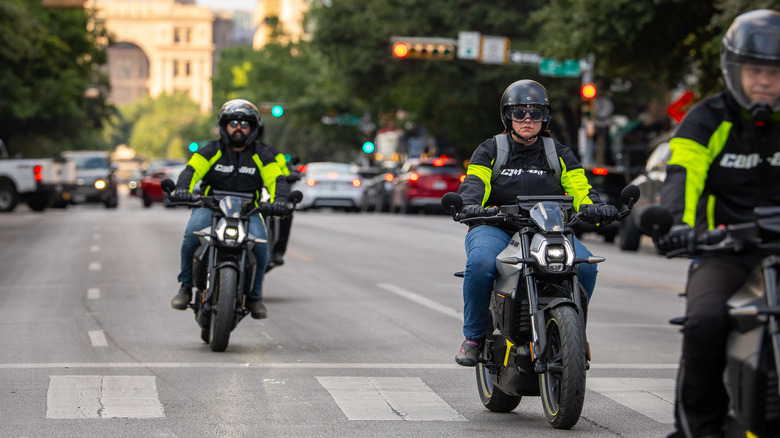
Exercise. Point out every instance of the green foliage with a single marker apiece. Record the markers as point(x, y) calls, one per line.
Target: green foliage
point(162, 127)
point(49, 59)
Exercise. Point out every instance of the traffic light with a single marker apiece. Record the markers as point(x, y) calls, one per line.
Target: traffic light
point(588, 91)
point(423, 48)
point(194, 146)
point(277, 111)
point(368, 147)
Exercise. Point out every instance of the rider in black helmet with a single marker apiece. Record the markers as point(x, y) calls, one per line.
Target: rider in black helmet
point(236, 162)
point(724, 163)
point(525, 170)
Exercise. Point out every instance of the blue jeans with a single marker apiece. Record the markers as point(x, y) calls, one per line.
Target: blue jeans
point(200, 219)
point(483, 244)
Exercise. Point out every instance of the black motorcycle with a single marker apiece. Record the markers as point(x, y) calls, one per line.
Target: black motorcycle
point(224, 266)
point(537, 344)
point(753, 346)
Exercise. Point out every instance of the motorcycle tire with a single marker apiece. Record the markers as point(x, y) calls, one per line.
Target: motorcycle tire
point(223, 309)
point(493, 398)
point(562, 386)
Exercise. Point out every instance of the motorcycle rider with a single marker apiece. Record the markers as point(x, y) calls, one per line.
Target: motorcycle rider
point(236, 162)
point(525, 113)
point(285, 222)
point(725, 161)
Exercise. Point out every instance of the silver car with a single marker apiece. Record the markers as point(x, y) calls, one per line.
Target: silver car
point(328, 184)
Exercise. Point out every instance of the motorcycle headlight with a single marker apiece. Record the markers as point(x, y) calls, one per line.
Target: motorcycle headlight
point(230, 235)
point(555, 254)
point(231, 232)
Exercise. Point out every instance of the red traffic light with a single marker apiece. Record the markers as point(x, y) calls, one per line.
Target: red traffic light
point(400, 50)
point(588, 91)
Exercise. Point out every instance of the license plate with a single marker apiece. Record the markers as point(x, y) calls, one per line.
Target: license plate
point(439, 185)
point(78, 199)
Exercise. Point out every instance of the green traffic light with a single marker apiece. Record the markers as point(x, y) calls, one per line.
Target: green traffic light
point(368, 147)
point(277, 111)
point(194, 146)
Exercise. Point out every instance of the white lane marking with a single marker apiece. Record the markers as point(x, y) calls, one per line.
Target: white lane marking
point(98, 338)
point(388, 398)
point(93, 293)
point(94, 266)
point(301, 365)
point(94, 248)
point(653, 398)
point(103, 397)
point(419, 299)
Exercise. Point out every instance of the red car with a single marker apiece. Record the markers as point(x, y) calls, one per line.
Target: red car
point(421, 183)
point(150, 191)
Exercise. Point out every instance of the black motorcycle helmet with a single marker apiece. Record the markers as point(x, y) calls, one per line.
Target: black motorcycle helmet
point(240, 109)
point(753, 37)
point(525, 92)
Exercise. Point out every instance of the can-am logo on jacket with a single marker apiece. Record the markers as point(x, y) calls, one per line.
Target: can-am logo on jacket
point(741, 161)
point(229, 169)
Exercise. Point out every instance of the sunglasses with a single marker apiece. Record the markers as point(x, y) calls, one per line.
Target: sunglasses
point(518, 114)
point(235, 124)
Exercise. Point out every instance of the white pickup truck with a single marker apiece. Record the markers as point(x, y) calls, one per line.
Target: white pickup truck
point(40, 182)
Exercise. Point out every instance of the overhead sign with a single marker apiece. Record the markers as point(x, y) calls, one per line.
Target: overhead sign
point(495, 50)
point(569, 68)
point(469, 45)
point(518, 57)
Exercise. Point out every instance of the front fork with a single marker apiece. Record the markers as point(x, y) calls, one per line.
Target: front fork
point(772, 301)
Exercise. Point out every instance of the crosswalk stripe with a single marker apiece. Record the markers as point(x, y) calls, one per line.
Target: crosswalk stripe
point(103, 397)
point(653, 398)
point(388, 398)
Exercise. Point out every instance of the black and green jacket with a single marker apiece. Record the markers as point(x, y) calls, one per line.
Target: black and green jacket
point(722, 165)
point(525, 173)
point(247, 171)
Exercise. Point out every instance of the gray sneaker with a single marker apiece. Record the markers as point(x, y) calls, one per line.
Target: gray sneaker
point(470, 349)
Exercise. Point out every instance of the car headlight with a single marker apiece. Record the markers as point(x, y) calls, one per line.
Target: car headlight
point(100, 184)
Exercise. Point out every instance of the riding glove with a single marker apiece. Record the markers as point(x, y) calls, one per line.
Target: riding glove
point(607, 213)
point(471, 210)
point(181, 195)
point(279, 208)
point(680, 239)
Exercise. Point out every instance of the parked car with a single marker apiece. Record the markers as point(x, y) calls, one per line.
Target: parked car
point(150, 190)
point(328, 184)
point(378, 191)
point(95, 179)
point(420, 184)
point(649, 183)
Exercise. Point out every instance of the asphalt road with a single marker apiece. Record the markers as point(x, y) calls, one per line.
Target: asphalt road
point(364, 322)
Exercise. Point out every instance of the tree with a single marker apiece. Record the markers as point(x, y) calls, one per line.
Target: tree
point(50, 59)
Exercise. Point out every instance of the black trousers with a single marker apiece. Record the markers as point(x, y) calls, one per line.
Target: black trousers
point(702, 402)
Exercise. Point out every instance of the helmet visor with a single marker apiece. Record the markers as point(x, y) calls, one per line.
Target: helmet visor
point(519, 113)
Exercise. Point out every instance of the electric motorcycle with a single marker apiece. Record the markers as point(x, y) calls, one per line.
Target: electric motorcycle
point(224, 266)
point(536, 343)
point(753, 345)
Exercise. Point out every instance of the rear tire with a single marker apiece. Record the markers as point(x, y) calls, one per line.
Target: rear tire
point(8, 196)
point(562, 386)
point(223, 310)
point(493, 398)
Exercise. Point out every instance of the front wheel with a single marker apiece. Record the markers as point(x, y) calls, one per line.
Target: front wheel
point(223, 309)
point(493, 398)
point(562, 386)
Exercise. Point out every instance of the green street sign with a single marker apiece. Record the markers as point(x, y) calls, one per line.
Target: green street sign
point(568, 68)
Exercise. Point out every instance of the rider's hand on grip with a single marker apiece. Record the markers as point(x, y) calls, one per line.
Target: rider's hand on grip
point(590, 212)
point(181, 195)
point(471, 210)
point(607, 213)
point(680, 239)
point(280, 208)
